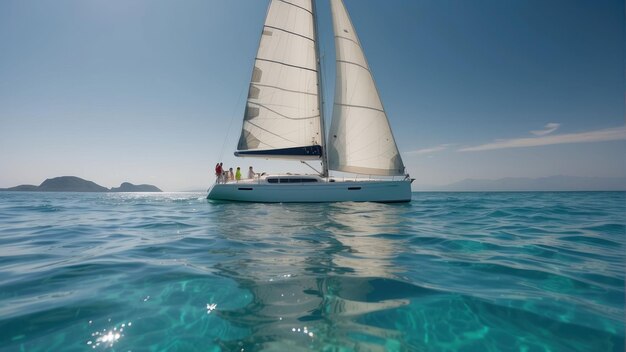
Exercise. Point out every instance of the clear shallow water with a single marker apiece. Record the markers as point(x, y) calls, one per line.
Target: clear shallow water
point(447, 272)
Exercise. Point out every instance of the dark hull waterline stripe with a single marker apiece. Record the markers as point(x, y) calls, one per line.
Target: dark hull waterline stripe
point(286, 64)
point(309, 202)
point(290, 32)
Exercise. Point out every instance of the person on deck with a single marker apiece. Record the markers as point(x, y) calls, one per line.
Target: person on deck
point(218, 172)
point(238, 174)
point(231, 176)
point(251, 173)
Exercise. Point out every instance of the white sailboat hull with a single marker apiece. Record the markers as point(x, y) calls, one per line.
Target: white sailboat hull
point(284, 116)
point(320, 192)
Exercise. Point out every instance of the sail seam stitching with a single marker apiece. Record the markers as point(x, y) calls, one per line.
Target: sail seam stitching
point(286, 64)
point(290, 32)
point(294, 5)
point(355, 64)
point(283, 89)
point(270, 132)
point(285, 116)
point(360, 106)
point(349, 39)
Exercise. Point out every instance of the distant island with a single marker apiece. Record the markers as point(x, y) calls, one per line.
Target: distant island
point(77, 184)
point(129, 187)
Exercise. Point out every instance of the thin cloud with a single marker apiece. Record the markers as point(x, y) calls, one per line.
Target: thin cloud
point(430, 150)
point(609, 134)
point(547, 129)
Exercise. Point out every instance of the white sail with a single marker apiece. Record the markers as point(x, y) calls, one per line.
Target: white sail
point(282, 117)
point(360, 138)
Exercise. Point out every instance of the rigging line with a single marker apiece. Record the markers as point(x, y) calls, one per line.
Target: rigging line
point(285, 116)
point(324, 80)
point(289, 32)
point(286, 64)
point(230, 124)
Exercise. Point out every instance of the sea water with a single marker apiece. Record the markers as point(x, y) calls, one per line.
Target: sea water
point(446, 272)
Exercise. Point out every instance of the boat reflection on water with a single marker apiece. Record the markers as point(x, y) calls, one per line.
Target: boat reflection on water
point(315, 273)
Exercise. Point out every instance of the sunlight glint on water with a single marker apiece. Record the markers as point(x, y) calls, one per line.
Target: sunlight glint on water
point(447, 272)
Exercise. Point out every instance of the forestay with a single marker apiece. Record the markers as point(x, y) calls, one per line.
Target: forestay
point(282, 116)
point(360, 138)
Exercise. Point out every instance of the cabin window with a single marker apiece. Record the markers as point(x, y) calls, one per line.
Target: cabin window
point(291, 180)
point(297, 180)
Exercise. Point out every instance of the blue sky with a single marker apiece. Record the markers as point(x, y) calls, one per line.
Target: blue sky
point(153, 91)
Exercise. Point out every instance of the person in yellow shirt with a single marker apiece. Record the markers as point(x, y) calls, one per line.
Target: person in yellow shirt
point(238, 174)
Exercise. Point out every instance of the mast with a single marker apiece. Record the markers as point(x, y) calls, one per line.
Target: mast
point(320, 94)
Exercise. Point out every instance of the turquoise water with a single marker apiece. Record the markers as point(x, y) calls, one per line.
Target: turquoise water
point(447, 272)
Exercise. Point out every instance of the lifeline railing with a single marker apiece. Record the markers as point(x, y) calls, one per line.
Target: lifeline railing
point(356, 178)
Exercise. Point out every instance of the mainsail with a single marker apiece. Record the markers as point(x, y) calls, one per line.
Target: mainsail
point(360, 138)
point(282, 117)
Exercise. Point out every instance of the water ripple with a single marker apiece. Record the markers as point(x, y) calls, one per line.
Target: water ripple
point(449, 271)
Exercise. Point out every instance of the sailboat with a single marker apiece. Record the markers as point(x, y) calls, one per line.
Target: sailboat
point(284, 117)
